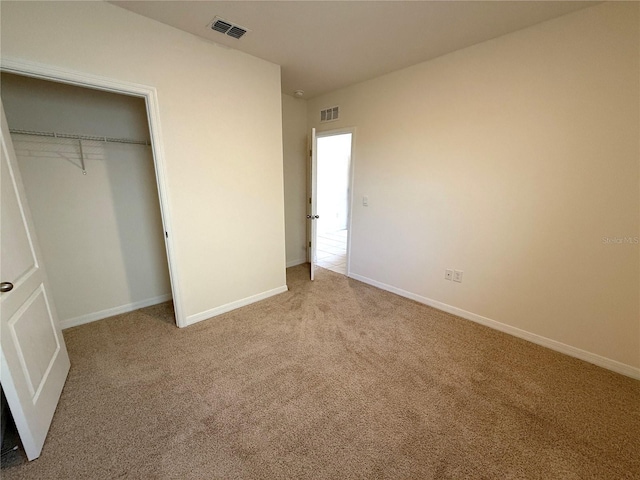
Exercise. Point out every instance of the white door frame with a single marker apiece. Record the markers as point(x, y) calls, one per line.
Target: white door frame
point(63, 75)
point(313, 206)
point(341, 131)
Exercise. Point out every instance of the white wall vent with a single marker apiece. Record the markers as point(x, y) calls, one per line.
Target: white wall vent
point(329, 114)
point(227, 28)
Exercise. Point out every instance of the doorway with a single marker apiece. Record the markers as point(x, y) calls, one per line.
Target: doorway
point(333, 200)
point(89, 176)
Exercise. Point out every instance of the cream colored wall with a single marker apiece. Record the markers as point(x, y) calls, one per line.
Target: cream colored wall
point(100, 234)
point(294, 134)
point(220, 112)
point(512, 161)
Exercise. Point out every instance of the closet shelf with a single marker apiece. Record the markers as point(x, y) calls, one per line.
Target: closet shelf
point(80, 137)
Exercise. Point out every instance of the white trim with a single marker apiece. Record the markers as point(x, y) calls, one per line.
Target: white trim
point(294, 263)
point(593, 358)
point(198, 317)
point(110, 312)
point(335, 131)
point(63, 75)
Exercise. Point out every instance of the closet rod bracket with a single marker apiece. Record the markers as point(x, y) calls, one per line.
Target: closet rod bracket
point(84, 170)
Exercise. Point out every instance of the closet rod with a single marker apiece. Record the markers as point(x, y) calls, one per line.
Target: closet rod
point(79, 137)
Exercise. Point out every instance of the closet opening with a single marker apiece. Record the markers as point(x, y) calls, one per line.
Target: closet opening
point(90, 177)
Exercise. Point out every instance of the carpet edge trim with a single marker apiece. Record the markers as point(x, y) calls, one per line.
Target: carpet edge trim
point(600, 361)
point(110, 312)
point(213, 312)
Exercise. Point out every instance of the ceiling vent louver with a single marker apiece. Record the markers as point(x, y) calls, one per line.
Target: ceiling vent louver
point(236, 32)
point(227, 28)
point(329, 114)
point(220, 26)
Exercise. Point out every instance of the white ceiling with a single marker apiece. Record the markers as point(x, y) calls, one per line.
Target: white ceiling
point(325, 45)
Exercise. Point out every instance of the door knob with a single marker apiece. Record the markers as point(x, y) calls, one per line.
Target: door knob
point(6, 286)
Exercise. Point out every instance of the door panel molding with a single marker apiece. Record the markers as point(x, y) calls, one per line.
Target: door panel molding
point(14, 328)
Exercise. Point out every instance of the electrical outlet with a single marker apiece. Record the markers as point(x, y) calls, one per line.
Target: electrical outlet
point(457, 276)
point(448, 274)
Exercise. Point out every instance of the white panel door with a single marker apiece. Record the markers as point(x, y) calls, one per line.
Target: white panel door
point(313, 203)
point(34, 359)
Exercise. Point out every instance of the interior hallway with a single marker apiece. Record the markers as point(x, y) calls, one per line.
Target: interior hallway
point(331, 251)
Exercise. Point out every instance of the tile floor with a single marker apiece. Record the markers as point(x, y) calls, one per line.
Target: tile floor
point(331, 251)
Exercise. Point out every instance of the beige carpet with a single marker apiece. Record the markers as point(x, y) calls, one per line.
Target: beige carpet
point(332, 380)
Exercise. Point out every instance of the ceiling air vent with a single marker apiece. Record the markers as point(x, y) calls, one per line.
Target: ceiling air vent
point(221, 26)
point(236, 32)
point(227, 28)
point(329, 114)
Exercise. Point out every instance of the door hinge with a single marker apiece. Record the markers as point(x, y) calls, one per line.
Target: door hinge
point(311, 153)
point(309, 244)
point(166, 234)
point(309, 200)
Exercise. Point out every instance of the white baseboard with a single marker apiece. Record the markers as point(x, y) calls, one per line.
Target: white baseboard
point(198, 317)
point(294, 263)
point(593, 358)
point(110, 312)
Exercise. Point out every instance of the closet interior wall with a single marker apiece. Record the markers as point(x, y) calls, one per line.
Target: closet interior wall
point(101, 232)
